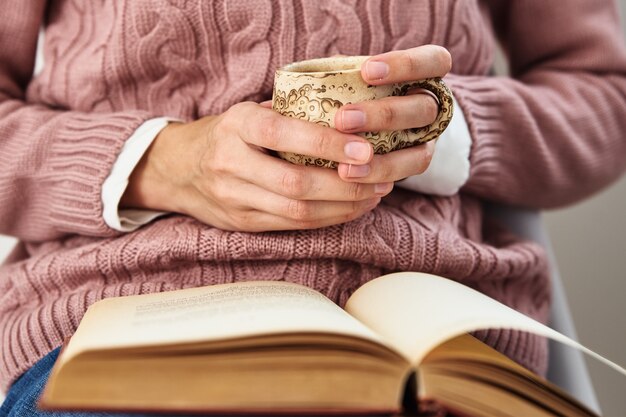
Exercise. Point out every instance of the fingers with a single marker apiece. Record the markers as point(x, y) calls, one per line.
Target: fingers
point(306, 211)
point(408, 65)
point(256, 209)
point(308, 183)
point(392, 166)
point(397, 113)
point(256, 221)
point(264, 127)
point(390, 113)
point(237, 186)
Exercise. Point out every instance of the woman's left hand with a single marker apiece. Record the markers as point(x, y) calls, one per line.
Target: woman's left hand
point(416, 109)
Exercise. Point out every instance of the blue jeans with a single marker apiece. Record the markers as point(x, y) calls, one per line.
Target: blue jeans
point(21, 400)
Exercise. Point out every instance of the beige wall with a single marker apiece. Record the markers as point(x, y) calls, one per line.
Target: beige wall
point(590, 244)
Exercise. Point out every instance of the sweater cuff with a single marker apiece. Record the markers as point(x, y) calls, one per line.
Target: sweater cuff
point(479, 101)
point(116, 183)
point(85, 148)
point(449, 169)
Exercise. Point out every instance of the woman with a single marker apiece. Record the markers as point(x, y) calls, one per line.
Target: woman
point(146, 114)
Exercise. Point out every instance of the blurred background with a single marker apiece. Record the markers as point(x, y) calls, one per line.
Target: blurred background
point(589, 240)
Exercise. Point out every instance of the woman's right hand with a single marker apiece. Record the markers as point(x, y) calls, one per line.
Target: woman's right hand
point(218, 170)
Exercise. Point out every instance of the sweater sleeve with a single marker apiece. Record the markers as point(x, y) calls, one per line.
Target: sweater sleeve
point(554, 131)
point(53, 162)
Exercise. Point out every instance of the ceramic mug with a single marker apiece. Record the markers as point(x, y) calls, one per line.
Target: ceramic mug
point(314, 90)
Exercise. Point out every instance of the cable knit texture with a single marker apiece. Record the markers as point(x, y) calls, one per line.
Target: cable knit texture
point(549, 135)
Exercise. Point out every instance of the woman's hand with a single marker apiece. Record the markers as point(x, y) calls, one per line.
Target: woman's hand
point(217, 169)
point(395, 113)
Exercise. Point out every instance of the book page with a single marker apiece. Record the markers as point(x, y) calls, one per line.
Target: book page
point(211, 313)
point(415, 312)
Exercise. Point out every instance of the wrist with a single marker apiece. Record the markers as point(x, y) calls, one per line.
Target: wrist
point(158, 180)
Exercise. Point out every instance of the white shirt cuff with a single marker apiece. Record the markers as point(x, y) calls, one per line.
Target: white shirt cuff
point(115, 184)
point(449, 169)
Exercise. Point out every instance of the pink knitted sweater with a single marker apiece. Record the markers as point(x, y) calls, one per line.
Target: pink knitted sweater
point(549, 135)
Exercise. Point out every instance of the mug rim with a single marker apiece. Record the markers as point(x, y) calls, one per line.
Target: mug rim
point(355, 61)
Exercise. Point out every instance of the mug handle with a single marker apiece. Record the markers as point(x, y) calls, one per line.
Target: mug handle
point(446, 108)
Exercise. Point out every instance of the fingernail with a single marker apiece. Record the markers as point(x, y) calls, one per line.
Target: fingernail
point(376, 70)
point(383, 188)
point(352, 119)
point(358, 171)
point(358, 150)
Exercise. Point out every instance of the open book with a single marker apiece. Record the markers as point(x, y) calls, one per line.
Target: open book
point(276, 347)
